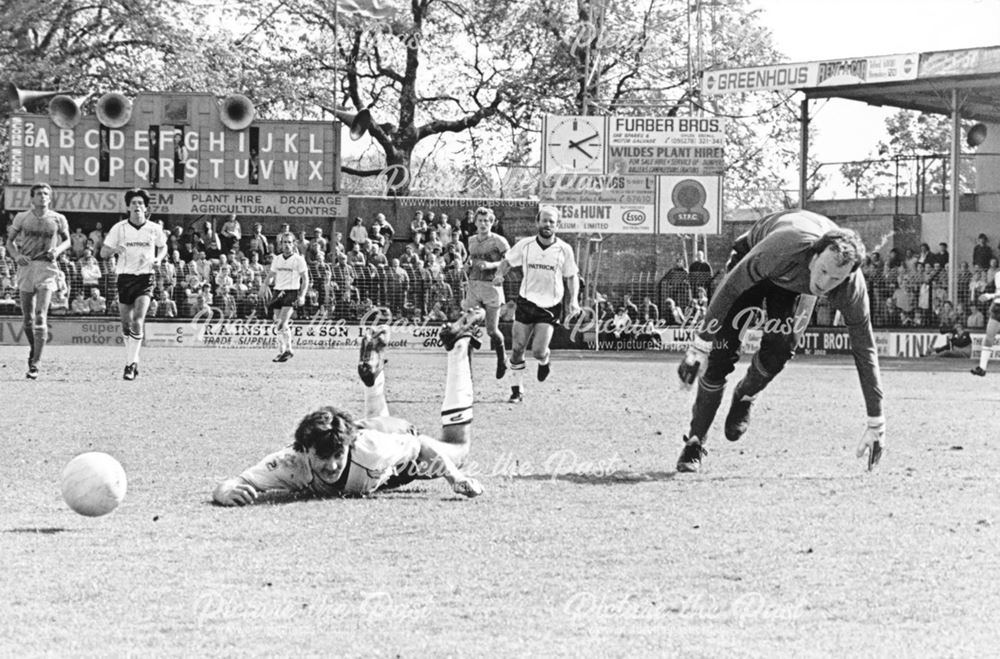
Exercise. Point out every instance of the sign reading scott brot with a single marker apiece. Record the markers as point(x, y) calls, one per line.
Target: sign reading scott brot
point(800, 75)
point(186, 202)
point(176, 141)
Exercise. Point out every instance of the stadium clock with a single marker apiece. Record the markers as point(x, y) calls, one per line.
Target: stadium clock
point(575, 145)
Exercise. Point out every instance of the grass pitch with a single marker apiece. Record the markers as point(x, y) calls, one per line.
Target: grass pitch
point(585, 542)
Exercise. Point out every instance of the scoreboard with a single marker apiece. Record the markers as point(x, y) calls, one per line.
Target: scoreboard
point(176, 141)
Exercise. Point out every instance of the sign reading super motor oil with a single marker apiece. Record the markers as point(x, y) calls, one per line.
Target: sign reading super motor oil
point(176, 142)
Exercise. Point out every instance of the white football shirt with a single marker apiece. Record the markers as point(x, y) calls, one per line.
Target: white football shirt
point(543, 268)
point(288, 272)
point(375, 457)
point(140, 246)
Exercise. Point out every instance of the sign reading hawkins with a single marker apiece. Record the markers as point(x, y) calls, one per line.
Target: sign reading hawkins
point(176, 141)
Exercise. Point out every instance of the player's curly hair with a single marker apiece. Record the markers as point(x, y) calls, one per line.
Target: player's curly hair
point(136, 192)
point(488, 212)
point(328, 432)
point(846, 243)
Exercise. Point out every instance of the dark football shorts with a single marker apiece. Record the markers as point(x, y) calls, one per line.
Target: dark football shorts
point(283, 299)
point(529, 313)
point(995, 310)
point(132, 287)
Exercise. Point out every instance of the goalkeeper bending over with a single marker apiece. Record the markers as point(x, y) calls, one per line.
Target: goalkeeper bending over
point(783, 262)
point(335, 455)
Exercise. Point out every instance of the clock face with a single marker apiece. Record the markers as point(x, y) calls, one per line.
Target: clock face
point(575, 145)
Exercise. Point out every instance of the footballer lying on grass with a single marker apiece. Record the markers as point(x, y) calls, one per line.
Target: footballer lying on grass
point(334, 455)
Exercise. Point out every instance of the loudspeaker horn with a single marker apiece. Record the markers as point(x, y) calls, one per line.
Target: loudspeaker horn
point(18, 98)
point(360, 124)
point(237, 112)
point(65, 110)
point(114, 110)
point(977, 135)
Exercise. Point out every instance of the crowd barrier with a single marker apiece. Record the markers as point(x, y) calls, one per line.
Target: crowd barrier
point(322, 333)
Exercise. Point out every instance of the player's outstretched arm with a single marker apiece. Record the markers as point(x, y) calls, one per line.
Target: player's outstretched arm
point(234, 492)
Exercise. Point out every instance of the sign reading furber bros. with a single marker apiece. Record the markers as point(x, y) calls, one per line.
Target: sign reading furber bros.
point(180, 146)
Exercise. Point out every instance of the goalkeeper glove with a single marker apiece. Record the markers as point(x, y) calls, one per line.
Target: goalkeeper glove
point(873, 440)
point(694, 362)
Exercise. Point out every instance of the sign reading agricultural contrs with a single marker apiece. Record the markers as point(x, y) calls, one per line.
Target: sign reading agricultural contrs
point(190, 202)
point(176, 142)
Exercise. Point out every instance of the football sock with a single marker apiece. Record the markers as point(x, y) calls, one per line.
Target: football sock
point(457, 406)
point(29, 334)
point(375, 403)
point(39, 334)
point(517, 372)
point(287, 336)
point(989, 342)
point(132, 345)
point(706, 404)
point(754, 381)
point(496, 342)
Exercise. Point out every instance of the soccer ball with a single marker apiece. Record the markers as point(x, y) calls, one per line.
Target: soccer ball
point(93, 484)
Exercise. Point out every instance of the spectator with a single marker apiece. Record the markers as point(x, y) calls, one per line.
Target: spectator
point(255, 270)
point(925, 257)
point(96, 304)
point(79, 305)
point(895, 259)
point(230, 234)
point(976, 319)
point(672, 316)
point(228, 303)
point(382, 230)
point(954, 341)
point(941, 256)
point(700, 272)
point(202, 268)
point(166, 307)
point(398, 286)
point(320, 241)
point(677, 284)
point(314, 251)
point(650, 312)
point(620, 322)
point(409, 256)
point(356, 257)
point(467, 227)
point(213, 246)
point(418, 229)
point(357, 236)
point(77, 242)
point(436, 313)
point(457, 247)
point(338, 246)
point(224, 275)
point(982, 253)
point(444, 229)
point(90, 270)
point(893, 317)
point(630, 307)
point(97, 235)
point(258, 243)
point(60, 297)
